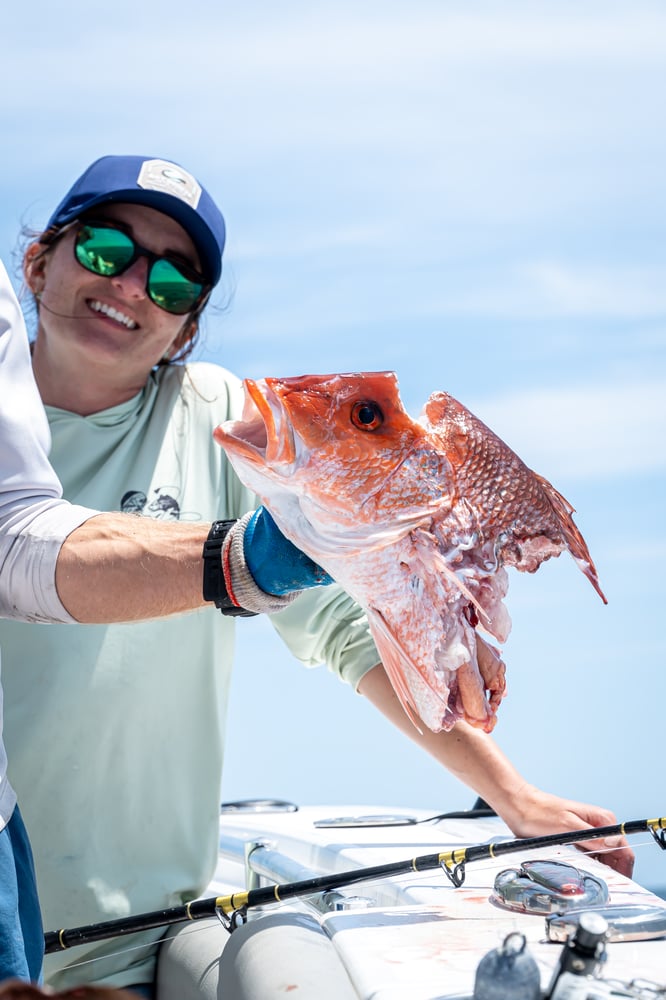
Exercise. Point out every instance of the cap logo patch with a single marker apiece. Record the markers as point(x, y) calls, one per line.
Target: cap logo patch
point(160, 175)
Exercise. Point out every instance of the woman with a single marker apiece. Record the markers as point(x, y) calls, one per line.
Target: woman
point(64, 563)
point(126, 763)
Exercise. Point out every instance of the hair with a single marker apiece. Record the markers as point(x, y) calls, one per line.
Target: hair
point(50, 237)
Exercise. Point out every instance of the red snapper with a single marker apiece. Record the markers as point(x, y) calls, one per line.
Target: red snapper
point(415, 519)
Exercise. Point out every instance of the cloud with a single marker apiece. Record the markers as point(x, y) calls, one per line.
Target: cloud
point(599, 291)
point(329, 35)
point(302, 241)
point(524, 289)
point(435, 117)
point(588, 432)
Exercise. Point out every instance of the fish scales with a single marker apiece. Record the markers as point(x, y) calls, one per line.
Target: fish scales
point(415, 518)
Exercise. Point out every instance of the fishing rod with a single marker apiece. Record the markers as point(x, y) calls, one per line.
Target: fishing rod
point(232, 909)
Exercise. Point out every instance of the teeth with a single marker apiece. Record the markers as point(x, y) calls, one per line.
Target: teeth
point(101, 307)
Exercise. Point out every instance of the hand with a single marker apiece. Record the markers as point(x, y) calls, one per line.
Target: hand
point(475, 759)
point(538, 813)
point(276, 565)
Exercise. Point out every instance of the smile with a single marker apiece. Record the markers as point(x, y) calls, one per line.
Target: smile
point(119, 317)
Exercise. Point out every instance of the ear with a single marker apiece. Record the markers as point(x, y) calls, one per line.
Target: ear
point(34, 268)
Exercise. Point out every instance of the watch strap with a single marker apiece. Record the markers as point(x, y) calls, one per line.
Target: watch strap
point(214, 584)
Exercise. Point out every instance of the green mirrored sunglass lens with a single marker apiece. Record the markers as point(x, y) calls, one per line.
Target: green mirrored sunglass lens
point(104, 251)
point(170, 289)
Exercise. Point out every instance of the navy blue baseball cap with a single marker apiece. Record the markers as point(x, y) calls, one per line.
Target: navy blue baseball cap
point(159, 184)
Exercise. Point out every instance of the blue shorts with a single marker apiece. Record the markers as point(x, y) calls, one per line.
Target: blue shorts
point(21, 932)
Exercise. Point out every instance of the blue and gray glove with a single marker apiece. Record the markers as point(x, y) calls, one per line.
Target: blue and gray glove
point(276, 565)
point(261, 569)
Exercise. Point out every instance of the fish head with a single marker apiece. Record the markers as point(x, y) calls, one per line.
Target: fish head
point(338, 451)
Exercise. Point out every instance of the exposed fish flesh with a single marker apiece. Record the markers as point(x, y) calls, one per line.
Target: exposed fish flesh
point(415, 518)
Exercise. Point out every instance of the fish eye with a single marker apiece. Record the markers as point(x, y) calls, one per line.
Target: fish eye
point(367, 416)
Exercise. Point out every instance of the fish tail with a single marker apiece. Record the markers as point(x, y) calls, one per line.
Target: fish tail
point(574, 540)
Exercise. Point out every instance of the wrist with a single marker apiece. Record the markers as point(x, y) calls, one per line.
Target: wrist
point(216, 583)
point(517, 805)
point(240, 579)
point(277, 565)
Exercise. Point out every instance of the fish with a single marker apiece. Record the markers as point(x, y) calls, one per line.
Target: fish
point(417, 519)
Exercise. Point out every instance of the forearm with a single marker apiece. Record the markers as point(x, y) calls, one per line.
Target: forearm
point(477, 760)
point(468, 753)
point(122, 567)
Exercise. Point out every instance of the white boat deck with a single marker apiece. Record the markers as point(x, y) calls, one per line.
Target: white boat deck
point(417, 935)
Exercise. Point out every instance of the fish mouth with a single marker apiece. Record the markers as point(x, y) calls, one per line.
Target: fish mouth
point(264, 432)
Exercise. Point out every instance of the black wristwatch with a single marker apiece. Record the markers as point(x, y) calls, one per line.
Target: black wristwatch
point(214, 586)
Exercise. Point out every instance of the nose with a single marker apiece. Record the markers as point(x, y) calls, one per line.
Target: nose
point(132, 282)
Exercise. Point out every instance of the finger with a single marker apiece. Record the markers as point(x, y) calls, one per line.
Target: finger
point(612, 851)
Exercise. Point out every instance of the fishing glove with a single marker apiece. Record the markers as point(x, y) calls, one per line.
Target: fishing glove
point(276, 565)
point(250, 567)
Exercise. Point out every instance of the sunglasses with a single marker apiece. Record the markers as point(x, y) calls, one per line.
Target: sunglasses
point(170, 284)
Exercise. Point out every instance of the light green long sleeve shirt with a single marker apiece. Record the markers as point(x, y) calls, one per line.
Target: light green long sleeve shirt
point(115, 734)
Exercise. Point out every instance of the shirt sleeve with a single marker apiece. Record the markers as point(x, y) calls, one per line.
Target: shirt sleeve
point(324, 625)
point(34, 520)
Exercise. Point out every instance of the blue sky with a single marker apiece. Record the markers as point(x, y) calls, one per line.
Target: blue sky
point(472, 195)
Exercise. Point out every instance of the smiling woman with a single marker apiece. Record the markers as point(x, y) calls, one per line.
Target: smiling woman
point(97, 287)
point(120, 276)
